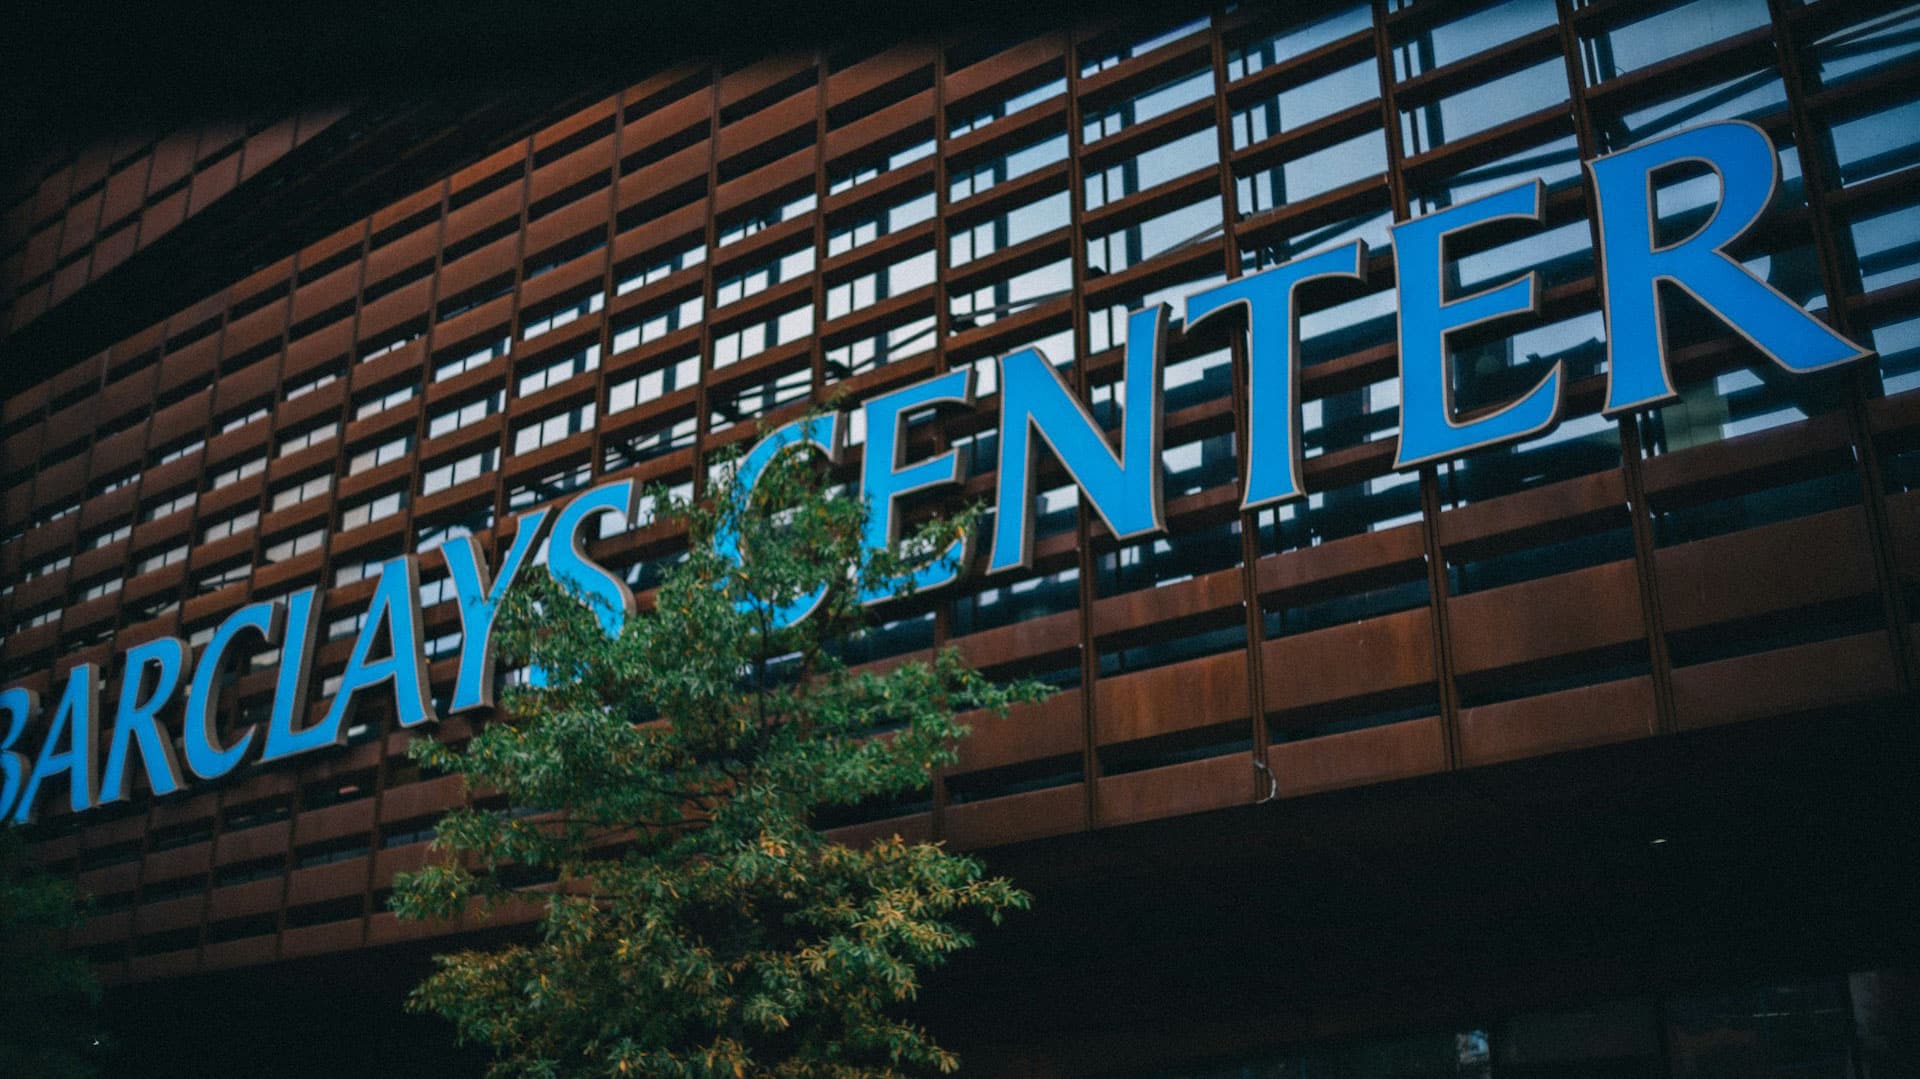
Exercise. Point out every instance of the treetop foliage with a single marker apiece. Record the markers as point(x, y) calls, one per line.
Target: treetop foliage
point(665, 789)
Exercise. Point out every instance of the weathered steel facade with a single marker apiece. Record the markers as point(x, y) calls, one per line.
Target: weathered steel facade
point(630, 290)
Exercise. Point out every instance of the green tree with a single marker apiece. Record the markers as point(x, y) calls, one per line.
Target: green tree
point(670, 783)
point(47, 997)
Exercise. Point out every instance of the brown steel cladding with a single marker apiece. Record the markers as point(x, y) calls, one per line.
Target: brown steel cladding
point(76, 222)
point(1676, 572)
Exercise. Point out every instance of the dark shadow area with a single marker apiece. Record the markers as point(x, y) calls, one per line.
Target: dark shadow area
point(70, 71)
point(1726, 858)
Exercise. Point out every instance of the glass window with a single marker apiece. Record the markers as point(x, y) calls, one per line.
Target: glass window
point(653, 385)
point(757, 279)
point(988, 303)
point(472, 412)
point(1158, 101)
point(291, 546)
point(377, 349)
point(106, 586)
point(879, 347)
point(459, 470)
point(1107, 327)
point(1096, 60)
point(1875, 143)
point(1486, 104)
point(1324, 170)
point(547, 488)
point(555, 371)
point(110, 484)
point(885, 222)
point(757, 399)
point(649, 272)
point(1875, 45)
point(312, 436)
point(1886, 247)
point(1285, 44)
point(51, 565)
point(980, 116)
point(1149, 168)
point(1297, 106)
point(1741, 98)
point(363, 564)
point(160, 559)
point(1555, 164)
point(1143, 240)
point(374, 509)
point(103, 539)
point(1897, 340)
point(1047, 150)
point(385, 453)
point(215, 579)
point(1008, 602)
point(764, 333)
point(1008, 229)
point(156, 510)
point(1795, 1030)
point(465, 521)
point(663, 437)
point(231, 526)
point(753, 223)
point(253, 466)
point(296, 493)
point(381, 400)
point(1662, 35)
point(437, 591)
point(473, 360)
point(846, 297)
point(554, 428)
point(179, 451)
point(324, 377)
point(659, 323)
point(1442, 42)
point(235, 422)
point(845, 178)
point(573, 311)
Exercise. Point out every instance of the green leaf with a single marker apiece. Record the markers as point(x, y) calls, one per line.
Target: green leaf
point(663, 795)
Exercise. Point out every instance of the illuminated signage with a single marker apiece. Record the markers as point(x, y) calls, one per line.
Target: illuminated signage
point(1035, 407)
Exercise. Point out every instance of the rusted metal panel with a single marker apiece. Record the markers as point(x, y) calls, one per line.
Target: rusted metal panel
point(1352, 758)
point(1016, 817)
point(1176, 789)
point(1354, 660)
point(1759, 570)
point(669, 197)
point(1526, 622)
point(1821, 674)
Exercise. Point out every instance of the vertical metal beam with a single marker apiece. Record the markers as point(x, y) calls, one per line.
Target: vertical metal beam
point(1429, 482)
point(1838, 274)
point(1639, 514)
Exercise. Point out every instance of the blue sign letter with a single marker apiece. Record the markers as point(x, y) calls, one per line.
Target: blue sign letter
point(479, 601)
point(22, 707)
point(1124, 490)
point(395, 606)
point(290, 687)
point(1275, 471)
point(821, 433)
point(567, 560)
point(1633, 264)
point(204, 756)
point(1429, 430)
point(884, 479)
point(75, 723)
point(134, 722)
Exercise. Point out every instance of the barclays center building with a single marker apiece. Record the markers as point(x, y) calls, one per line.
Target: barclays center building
point(1457, 463)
